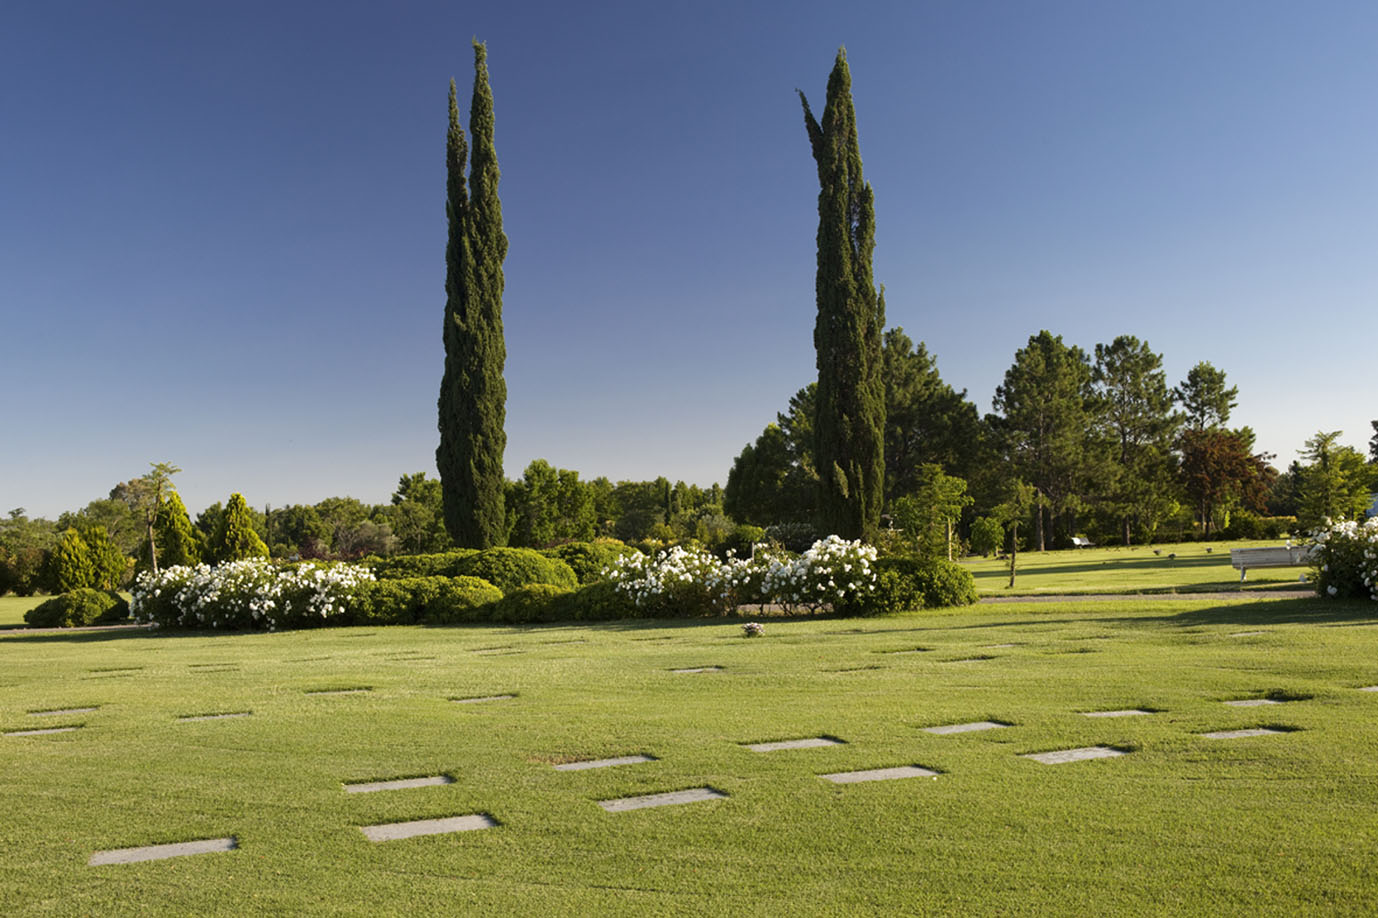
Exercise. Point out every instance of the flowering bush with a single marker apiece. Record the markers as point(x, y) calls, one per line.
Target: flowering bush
point(1344, 556)
point(247, 594)
point(679, 581)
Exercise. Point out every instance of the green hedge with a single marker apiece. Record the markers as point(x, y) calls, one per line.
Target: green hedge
point(83, 606)
point(510, 568)
point(417, 600)
point(440, 564)
point(907, 583)
point(588, 560)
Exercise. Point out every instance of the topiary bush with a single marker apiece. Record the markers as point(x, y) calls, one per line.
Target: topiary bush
point(589, 560)
point(535, 602)
point(417, 600)
point(439, 564)
point(509, 568)
point(597, 601)
point(84, 606)
point(907, 583)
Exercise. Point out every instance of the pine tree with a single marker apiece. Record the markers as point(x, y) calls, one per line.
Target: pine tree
point(850, 420)
point(173, 534)
point(234, 538)
point(473, 393)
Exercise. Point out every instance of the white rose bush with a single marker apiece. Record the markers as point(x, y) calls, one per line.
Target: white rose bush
point(252, 594)
point(1344, 558)
point(678, 581)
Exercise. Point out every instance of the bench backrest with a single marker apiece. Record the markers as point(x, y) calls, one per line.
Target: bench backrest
point(1276, 556)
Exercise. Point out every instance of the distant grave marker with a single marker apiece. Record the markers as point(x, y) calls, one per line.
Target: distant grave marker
point(1126, 712)
point(162, 852)
point(671, 798)
point(482, 698)
point(698, 669)
point(393, 831)
point(368, 787)
point(1252, 702)
point(604, 763)
point(1062, 756)
point(966, 728)
point(59, 711)
point(227, 715)
point(880, 774)
point(44, 731)
point(1240, 734)
point(358, 690)
point(812, 742)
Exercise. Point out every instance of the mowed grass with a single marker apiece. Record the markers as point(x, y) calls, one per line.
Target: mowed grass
point(1279, 824)
point(12, 608)
point(1196, 567)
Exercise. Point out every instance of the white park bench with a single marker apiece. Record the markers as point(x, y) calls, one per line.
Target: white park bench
point(1079, 542)
point(1275, 556)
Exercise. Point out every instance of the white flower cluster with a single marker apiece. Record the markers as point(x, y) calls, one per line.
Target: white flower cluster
point(246, 594)
point(691, 581)
point(1345, 555)
point(833, 571)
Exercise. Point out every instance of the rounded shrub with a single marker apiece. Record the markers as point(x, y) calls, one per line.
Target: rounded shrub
point(535, 602)
point(589, 560)
point(439, 564)
point(509, 568)
point(907, 583)
point(597, 601)
point(84, 606)
point(413, 600)
point(740, 541)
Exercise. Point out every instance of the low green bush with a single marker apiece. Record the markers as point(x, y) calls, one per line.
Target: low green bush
point(439, 564)
point(589, 560)
point(535, 602)
point(907, 583)
point(416, 600)
point(509, 568)
point(84, 606)
point(597, 601)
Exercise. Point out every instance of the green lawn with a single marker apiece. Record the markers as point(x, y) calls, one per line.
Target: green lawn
point(1196, 567)
point(1279, 824)
point(12, 608)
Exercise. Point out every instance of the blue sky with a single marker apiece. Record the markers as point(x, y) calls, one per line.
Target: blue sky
point(222, 226)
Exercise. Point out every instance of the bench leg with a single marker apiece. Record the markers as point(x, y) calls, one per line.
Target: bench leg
point(1242, 572)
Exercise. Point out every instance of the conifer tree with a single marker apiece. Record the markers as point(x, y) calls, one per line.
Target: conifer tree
point(73, 567)
point(234, 538)
point(173, 533)
point(850, 421)
point(473, 393)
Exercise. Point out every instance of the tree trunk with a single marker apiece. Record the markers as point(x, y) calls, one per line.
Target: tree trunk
point(1014, 547)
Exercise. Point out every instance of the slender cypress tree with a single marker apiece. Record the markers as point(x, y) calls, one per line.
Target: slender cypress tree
point(850, 421)
point(235, 538)
point(176, 540)
point(473, 393)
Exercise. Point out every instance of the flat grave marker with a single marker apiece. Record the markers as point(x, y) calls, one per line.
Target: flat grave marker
point(1251, 702)
point(812, 742)
point(880, 774)
point(698, 669)
point(59, 711)
point(359, 690)
point(393, 831)
point(966, 728)
point(1240, 734)
point(43, 731)
point(604, 763)
point(367, 787)
point(1126, 712)
point(227, 715)
point(1063, 756)
point(482, 698)
point(670, 798)
point(162, 852)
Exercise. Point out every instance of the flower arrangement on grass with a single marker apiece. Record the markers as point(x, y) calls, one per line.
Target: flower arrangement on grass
point(753, 629)
point(251, 594)
point(1344, 556)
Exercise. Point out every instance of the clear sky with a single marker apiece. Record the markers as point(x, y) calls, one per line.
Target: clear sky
point(222, 226)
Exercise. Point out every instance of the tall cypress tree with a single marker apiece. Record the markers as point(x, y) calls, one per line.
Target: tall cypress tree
point(473, 393)
point(850, 421)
